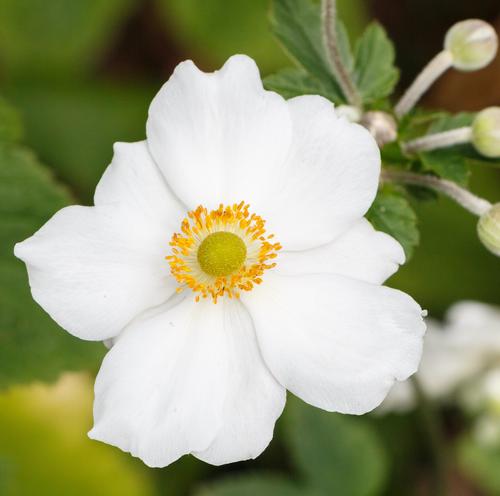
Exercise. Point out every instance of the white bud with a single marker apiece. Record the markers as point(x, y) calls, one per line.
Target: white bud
point(488, 229)
point(473, 44)
point(381, 125)
point(486, 132)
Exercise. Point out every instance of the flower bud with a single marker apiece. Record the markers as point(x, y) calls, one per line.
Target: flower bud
point(381, 125)
point(486, 132)
point(488, 229)
point(473, 44)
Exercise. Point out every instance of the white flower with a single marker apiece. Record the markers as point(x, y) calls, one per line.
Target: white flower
point(189, 376)
point(455, 353)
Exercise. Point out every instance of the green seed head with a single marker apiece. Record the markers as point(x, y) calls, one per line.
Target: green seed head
point(221, 254)
point(488, 229)
point(473, 44)
point(486, 132)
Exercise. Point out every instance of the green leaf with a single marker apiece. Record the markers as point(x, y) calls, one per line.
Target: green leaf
point(392, 213)
point(480, 463)
point(344, 46)
point(466, 151)
point(375, 74)
point(11, 128)
point(72, 127)
point(293, 82)
point(251, 485)
point(297, 24)
point(32, 346)
point(50, 39)
point(336, 453)
point(447, 164)
point(446, 122)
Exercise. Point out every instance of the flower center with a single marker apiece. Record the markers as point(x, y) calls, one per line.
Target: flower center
point(221, 253)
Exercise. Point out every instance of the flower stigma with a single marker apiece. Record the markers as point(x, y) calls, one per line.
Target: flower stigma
point(221, 252)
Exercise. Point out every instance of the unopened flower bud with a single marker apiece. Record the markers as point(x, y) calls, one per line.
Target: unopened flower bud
point(381, 125)
point(486, 132)
point(473, 44)
point(488, 229)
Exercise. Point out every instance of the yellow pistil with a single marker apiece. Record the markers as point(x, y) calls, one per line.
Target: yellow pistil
point(221, 252)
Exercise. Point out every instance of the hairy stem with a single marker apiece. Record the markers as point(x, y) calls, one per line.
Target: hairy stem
point(435, 68)
point(439, 140)
point(463, 197)
point(330, 41)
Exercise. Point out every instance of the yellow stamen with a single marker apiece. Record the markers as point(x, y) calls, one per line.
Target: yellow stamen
point(221, 252)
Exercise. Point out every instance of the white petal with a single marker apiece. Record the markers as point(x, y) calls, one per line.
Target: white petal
point(93, 269)
point(336, 342)
point(330, 178)
point(133, 179)
point(187, 379)
point(220, 138)
point(361, 253)
point(216, 135)
point(254, 398)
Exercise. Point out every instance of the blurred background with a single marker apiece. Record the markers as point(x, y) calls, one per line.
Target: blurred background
point(78, 75)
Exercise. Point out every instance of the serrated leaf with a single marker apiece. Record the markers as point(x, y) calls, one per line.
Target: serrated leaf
point(446, 122)
point(392, 213)
point(337, 454)
point(297, 24)
point(50, 39)
point(251, 485)
point(447, 164)
point(392, 153)
point(293, 82)
point(344, 46)
point(375, 74)
point(32, 346)
point(417, 123)
point(11, 128)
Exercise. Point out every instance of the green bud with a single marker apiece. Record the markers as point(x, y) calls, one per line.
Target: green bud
point(473, 44)
point(486, 132)
point(488, 229)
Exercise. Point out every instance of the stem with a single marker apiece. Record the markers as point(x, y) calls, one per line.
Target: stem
point(330, 41)
point(439, 140)
point(431, 424)
point(435, 68)
point(472, 203)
